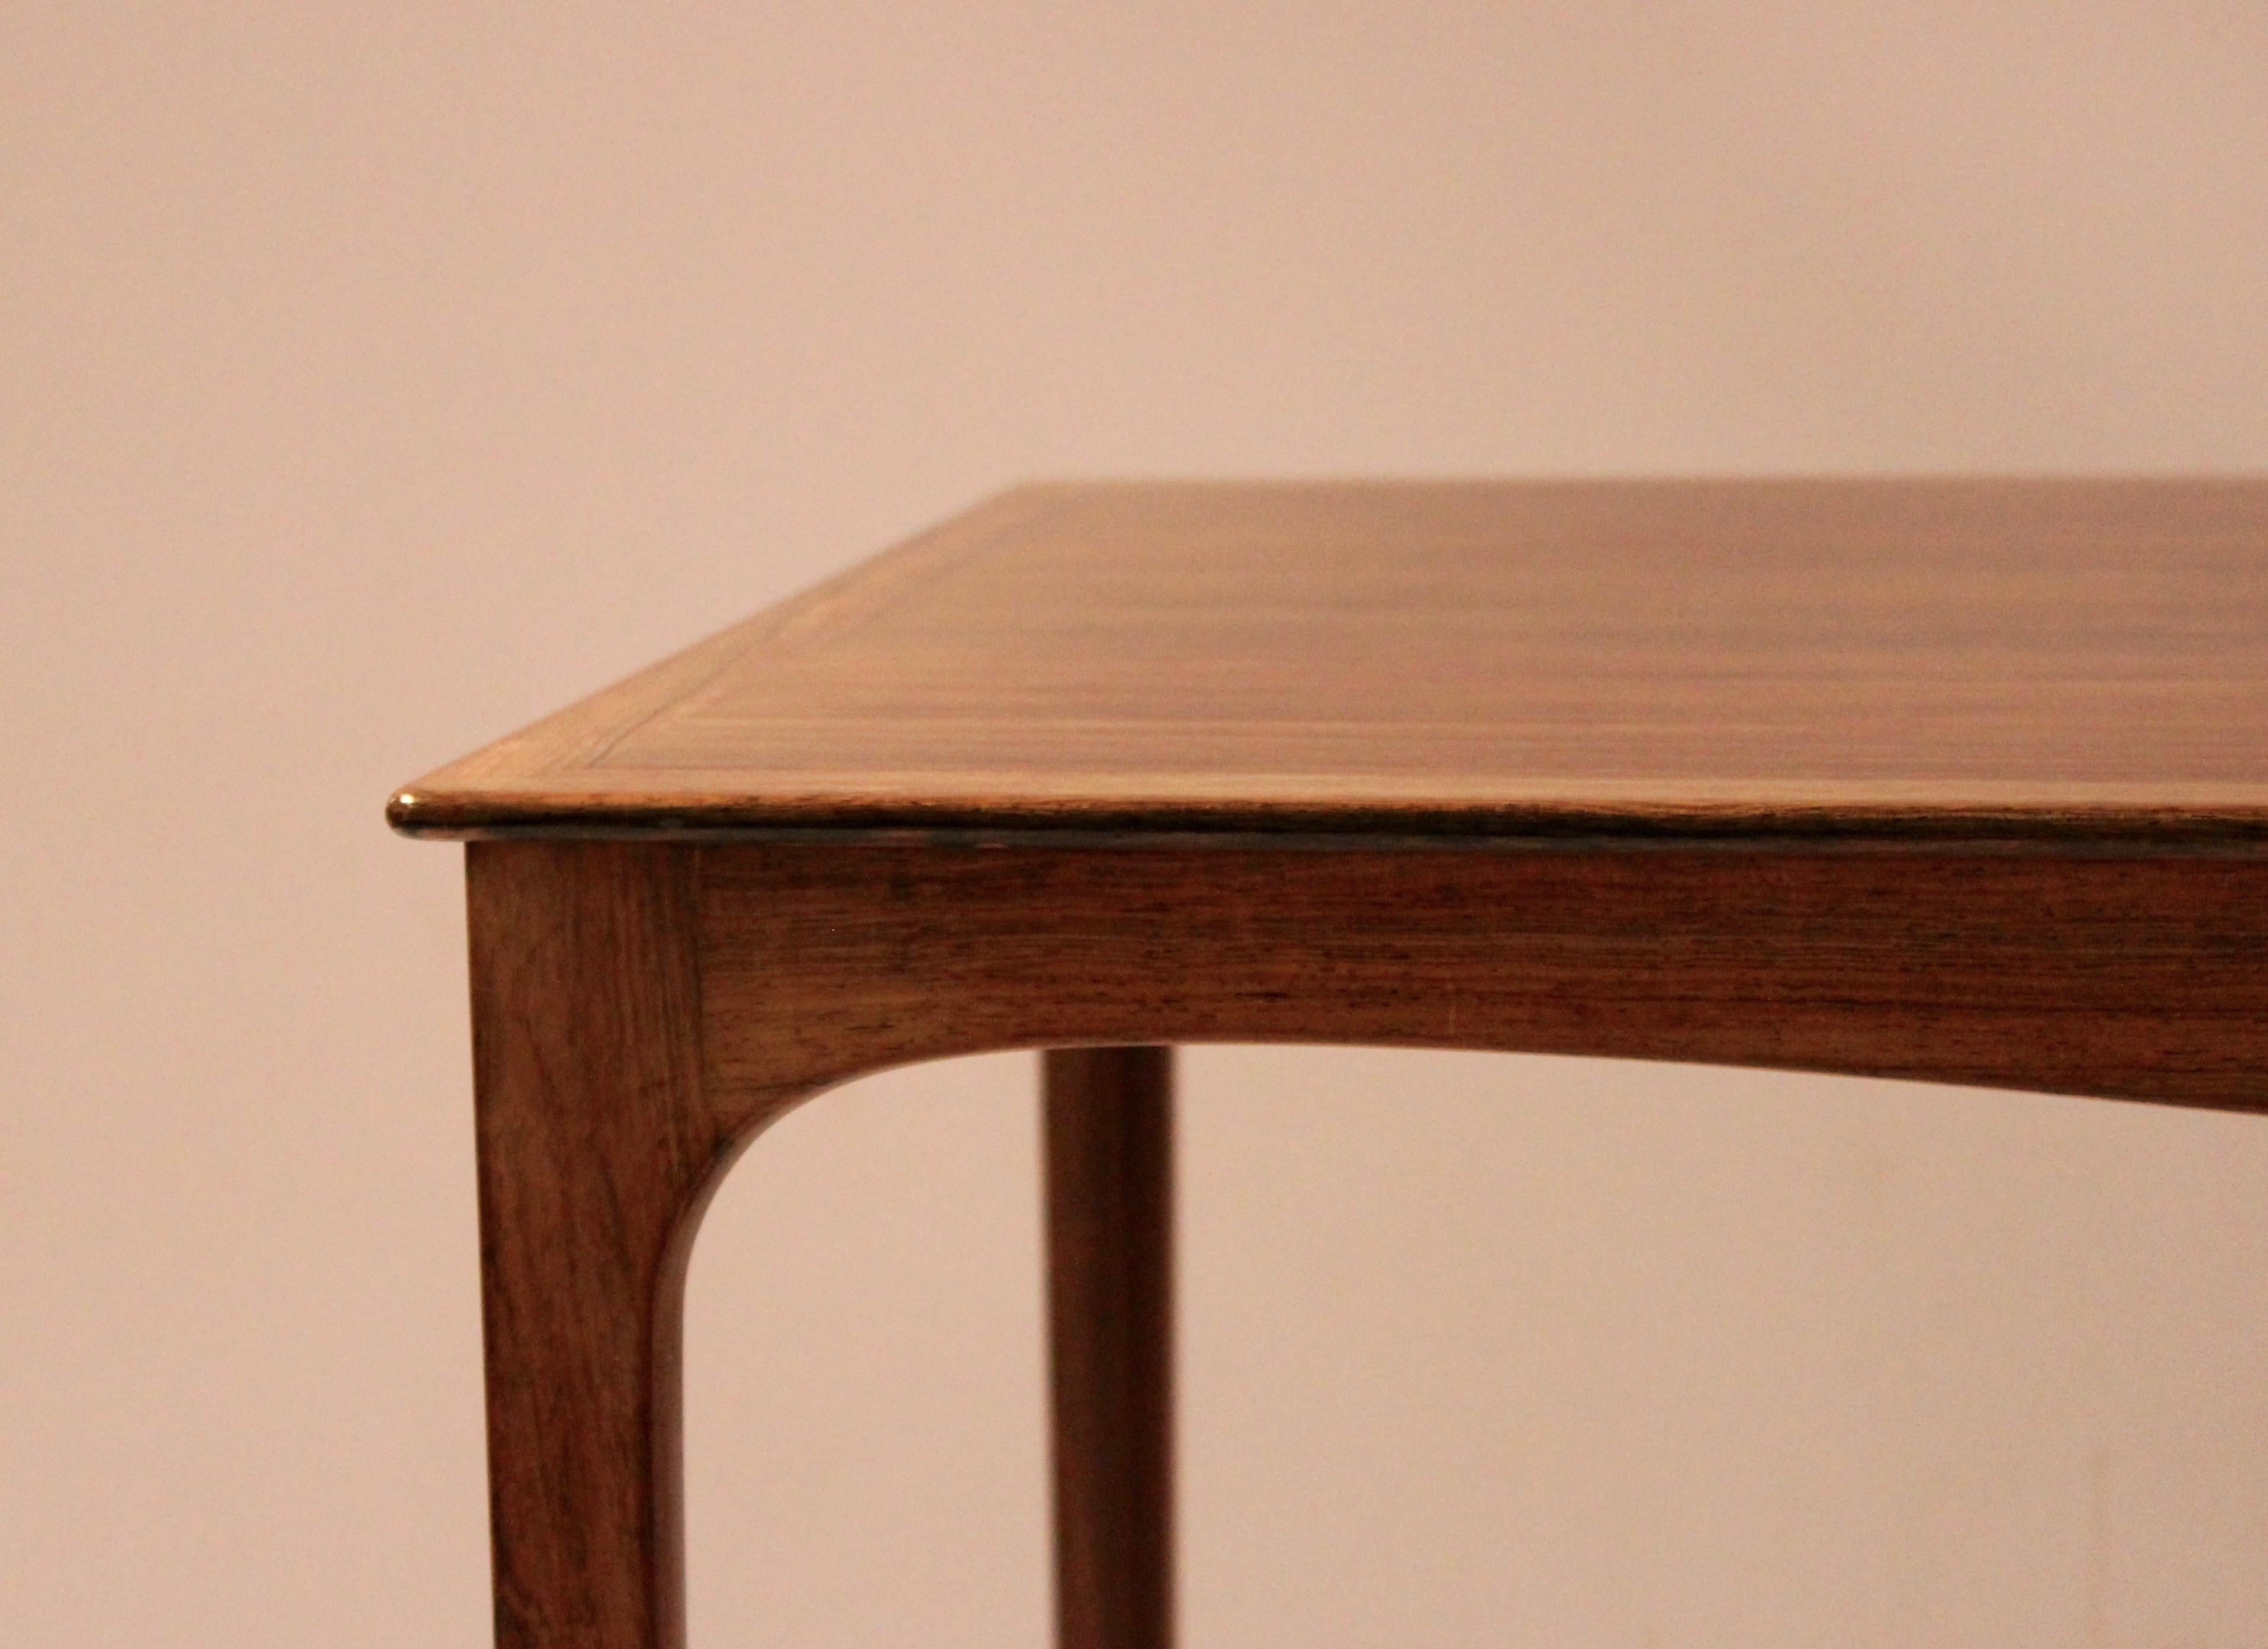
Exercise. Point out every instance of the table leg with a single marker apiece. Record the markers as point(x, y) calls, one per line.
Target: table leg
point(1108, 1114)
point(594, 1155)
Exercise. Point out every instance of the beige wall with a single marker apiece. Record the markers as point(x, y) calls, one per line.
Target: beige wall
point(376, 375)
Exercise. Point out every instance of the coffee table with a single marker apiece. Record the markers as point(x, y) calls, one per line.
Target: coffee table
point(1958, 780)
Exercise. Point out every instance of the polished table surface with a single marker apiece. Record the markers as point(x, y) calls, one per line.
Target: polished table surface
point(1968, 660)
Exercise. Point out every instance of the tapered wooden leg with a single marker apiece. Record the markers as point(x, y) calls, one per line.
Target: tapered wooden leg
point(594, 1150)
point(1109, 1116)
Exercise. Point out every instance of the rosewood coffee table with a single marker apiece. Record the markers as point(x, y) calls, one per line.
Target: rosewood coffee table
point(1962, 780)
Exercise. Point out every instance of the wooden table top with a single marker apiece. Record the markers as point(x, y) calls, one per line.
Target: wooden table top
point(2075, 663)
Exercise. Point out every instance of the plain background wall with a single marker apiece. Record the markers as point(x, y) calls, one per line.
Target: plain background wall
point(376, 376)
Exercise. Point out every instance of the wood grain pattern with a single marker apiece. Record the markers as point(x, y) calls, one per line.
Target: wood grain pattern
point(1954, 660)
point(642, 1010)
point(2127, 978)
point(596, 1154)
point(1110, 1135)
point(1954, 780)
